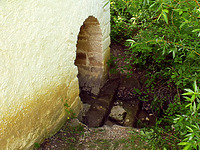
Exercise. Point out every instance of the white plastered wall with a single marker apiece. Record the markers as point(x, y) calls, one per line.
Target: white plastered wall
point(37, 72)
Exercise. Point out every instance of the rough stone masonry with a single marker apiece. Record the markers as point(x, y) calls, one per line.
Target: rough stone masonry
point(48, 48)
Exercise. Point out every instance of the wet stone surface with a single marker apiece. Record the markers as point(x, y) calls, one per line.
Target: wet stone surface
point(117, 103)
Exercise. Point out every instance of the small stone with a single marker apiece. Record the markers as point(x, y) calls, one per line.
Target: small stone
point(118, 114)
point(147, 118)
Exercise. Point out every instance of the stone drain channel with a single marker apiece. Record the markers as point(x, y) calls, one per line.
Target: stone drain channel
point(108, 108)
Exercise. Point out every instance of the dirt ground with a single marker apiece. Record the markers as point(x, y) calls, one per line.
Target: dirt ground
point(76, 136)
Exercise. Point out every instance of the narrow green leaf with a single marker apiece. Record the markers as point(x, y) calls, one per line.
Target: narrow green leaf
point(152, 5)
point(174, 53)
point(130, 40)
point(187, 147)
point(163, 53)
point(134, 45)
point(165, 10)
point(173, 76)
point(189, 93)
point(176, 119)
point(193, 98)
point(184, 23)
point(195, 86)
point(158, 8)
point(189, 90)
point(159, 17)
point(187, 99)
point(106, 4)
point(198, 96)
point(188, 105)
point(183, 143)
point(180, 12)
point(198, 106)
point(194, 126)
point(190, 129)
point(194, 107)
point(190, 136)
point(195, 30)
point(165, 17)
point(144, 2)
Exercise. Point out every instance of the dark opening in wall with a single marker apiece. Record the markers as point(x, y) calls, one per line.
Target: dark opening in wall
point(89, 56)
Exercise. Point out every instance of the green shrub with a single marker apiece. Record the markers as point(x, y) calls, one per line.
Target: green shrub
point(188, 124)
point(180, 128)
point(162, 37)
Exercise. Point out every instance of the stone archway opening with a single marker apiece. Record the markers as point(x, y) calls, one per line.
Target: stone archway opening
point(89, 56)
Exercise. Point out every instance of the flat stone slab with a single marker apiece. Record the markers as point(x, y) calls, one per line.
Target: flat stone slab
point(101, 105)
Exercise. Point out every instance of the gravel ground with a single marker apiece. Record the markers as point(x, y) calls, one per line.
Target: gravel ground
point(77, 136)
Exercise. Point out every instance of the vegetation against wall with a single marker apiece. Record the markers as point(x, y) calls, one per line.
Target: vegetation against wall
point(162, 37)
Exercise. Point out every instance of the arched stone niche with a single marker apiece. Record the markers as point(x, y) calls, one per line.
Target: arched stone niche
point(89, 56)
